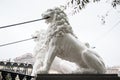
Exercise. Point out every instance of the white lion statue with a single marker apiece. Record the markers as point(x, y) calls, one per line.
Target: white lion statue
point(58, 66)
point(62, 42)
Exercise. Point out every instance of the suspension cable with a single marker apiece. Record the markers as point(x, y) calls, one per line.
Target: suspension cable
point(23, 23)
point(17, 41)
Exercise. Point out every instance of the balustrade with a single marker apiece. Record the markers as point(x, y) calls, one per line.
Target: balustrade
point(15, 71)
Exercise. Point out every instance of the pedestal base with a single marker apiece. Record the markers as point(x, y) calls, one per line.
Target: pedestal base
point(77, 77)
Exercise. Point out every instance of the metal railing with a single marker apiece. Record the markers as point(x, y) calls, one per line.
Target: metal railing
point(15, 71)
point(11, 75)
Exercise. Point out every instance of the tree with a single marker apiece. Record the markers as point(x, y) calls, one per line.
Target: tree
point(80, 4)
point(115, 3)
point(77, 5)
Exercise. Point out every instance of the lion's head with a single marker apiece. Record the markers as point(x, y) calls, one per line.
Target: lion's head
point(55, 15)
point(58, 23)
point(40, 47)
point(39, 35)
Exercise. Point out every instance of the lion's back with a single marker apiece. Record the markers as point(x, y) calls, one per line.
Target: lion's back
point(69, 48)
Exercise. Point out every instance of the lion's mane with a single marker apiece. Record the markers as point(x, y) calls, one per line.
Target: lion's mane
point(40, 46)
point(59, 25)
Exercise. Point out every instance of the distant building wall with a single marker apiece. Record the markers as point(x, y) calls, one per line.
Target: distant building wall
point(113, 70)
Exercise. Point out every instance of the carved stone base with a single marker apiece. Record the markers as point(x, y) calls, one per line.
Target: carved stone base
point(77, 77)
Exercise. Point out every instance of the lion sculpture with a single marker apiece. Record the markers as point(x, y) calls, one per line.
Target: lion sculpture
point(62, 42)
point(58, 66)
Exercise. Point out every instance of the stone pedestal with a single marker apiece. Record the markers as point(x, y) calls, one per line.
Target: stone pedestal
point(77, 77)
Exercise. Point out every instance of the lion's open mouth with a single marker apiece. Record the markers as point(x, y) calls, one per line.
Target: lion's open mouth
point(46, 17)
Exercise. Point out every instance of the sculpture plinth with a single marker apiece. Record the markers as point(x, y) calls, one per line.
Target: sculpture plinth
point(77, 77)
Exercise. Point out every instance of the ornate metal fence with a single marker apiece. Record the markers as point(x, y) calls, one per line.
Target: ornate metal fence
point(15, 71)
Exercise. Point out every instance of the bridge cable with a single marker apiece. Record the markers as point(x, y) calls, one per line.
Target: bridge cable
point(17, 41)
point(23, 23)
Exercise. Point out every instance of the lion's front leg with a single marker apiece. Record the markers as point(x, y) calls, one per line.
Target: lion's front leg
point(37, 65)
point(49, 57)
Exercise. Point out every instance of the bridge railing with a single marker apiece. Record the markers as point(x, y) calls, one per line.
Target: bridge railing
point(11, 75)
point(13, 70)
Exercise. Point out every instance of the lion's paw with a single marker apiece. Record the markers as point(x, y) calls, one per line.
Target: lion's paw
point(42, 70)
point(77, 72)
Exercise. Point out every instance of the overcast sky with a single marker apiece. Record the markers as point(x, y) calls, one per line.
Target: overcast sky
point(86, 25)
